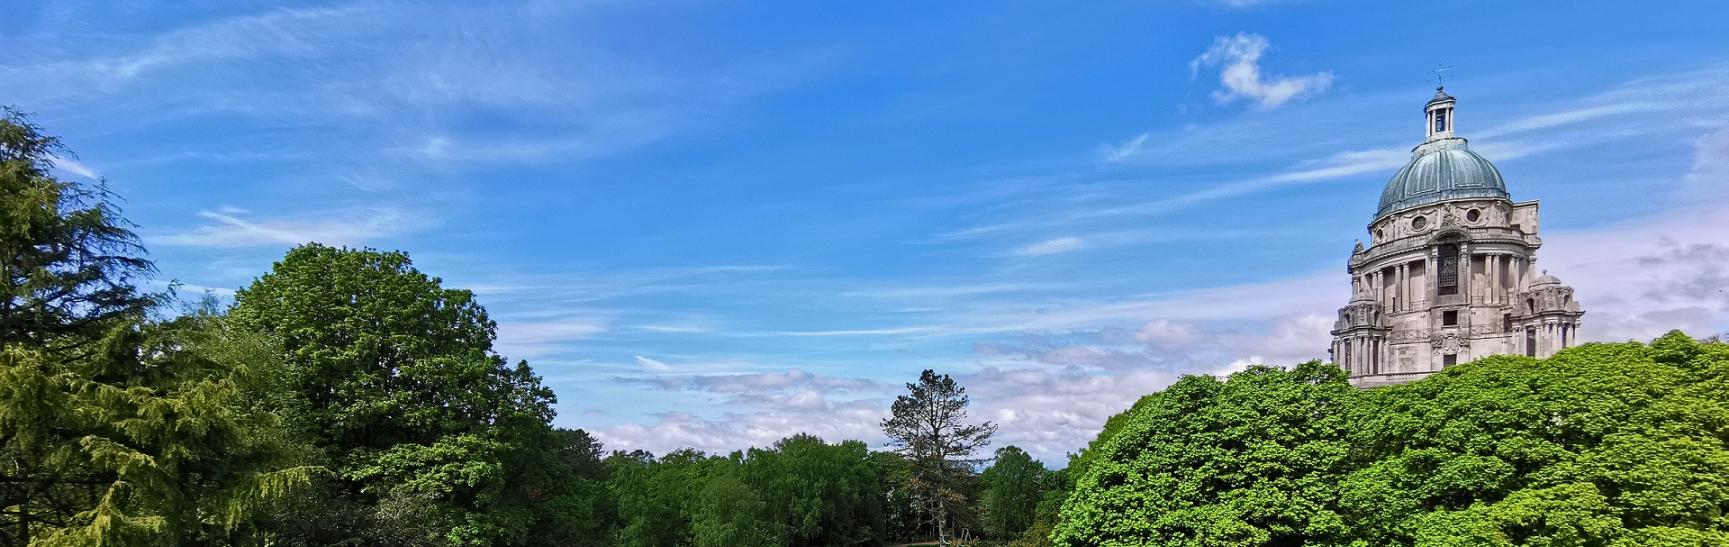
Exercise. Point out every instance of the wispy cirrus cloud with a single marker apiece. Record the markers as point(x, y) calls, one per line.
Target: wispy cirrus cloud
point(1241, 77)
point(527, 339)
point(75, 167)
point(1056, 245)
point(402, 80)
point(1124, 150)
point(233, 227)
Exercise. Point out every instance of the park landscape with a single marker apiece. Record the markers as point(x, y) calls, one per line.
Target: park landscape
point(620, 340)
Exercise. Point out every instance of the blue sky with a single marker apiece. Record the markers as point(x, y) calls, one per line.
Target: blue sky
point(714, 224)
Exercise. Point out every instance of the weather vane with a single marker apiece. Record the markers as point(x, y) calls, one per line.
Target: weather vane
point(1440, 68)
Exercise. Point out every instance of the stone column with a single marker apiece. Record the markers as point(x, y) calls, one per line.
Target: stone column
point(1519, 274)
point(1465, 285)
point(1358, 366)
point(1432, 269)
point(1404, 285)
point(1375, 286)
point(1492, 267)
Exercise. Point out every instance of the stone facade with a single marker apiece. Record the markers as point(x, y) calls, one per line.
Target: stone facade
point(1450, 273)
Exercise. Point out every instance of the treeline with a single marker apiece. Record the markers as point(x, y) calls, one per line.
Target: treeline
point(346, 398)
point(801, 492)
point(1622, 444)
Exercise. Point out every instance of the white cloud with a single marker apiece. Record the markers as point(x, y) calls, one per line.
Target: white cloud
point(674, 329)
point(766, 407)
point(1051, 413)
point(1240, 57)
point(229, 227)
point(1124, 150)
point(652, 365)
point(1052, 246)
point(73, 166)
point(1640, 278)
point(531, 339)
point(1336, 166)
point(1246, 4)
point(760, 383)
point(1165, 333)
point(799, 413)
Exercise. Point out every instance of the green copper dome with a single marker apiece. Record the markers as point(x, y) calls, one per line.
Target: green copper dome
point(1440, 171)
point(1443, 168)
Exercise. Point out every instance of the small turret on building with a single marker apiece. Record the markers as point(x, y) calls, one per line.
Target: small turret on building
point(1449, 272)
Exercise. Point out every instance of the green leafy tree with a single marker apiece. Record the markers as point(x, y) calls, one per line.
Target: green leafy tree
point(656, 499)
point(395, 379)
point(1013, 486)
point(579, 512)
point(903, 520)
point(68, 260)
point(1054, 491)
point(929, 427)
point(1603, 444)
point(728, 512)
point(1252, 460)
point(819, 494)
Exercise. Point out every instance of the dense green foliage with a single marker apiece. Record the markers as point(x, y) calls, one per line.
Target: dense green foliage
point(1253, 461)
point(1052, 493)
point(1604, 444)
point(1014, 485)
point(393, 377)
point(799, 492)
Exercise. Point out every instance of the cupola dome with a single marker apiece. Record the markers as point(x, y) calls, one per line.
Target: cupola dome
point(1442, 169)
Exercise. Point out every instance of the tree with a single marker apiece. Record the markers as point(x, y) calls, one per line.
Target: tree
point(68, 260)
point(395, 380)
point(1012, 492)
point(929, 427)
point(818, 494)
point(116, 429)
point(158, 438)
point(729, 512)
point(1602, 444)
point(1053, 493)
point(657, 499)
point(1252, 460)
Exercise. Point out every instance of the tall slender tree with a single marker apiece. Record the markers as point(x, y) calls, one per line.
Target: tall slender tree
point(929, 427)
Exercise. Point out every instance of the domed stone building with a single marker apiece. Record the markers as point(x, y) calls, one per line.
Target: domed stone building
point(1450, 273)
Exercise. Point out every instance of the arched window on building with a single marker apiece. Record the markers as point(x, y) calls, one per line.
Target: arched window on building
point(1447, 275)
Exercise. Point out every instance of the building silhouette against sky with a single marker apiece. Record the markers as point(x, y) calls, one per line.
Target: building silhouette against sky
point(1450, 273)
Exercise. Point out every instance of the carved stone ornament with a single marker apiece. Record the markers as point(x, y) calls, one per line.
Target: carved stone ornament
point(1448, 219)
point(1448, 343)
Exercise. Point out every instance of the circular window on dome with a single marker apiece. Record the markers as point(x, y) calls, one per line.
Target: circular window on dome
point(1419, 223)
point(1380, 234)
point(1473, 215)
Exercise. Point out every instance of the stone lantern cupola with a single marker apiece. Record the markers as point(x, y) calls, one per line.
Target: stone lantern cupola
point(1440, 115)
